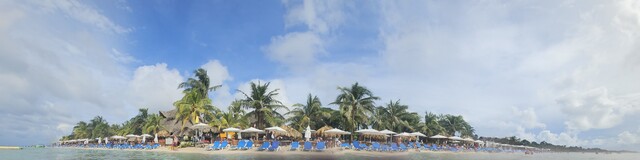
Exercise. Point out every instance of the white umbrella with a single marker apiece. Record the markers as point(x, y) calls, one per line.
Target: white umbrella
point(144, 137)
point(199, 127)
point(99, 140)
point(106, 140)
point(276, 129)
point(404, 134)
point(307, 133)
point(231, 129)
point(155, 139)
point(239, 135)
point(131, 136)
point(455, 138)
point(478, 141)
point(387, 132)
point(117, 137)
point(368, 131)
point(252, 130)
point(468, 139)
point(438, 137)
point(418, 134)
point(335, 131)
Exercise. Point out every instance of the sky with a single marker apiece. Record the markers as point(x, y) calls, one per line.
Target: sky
point(560, 71)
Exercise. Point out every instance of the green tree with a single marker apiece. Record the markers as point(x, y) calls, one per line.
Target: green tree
point(453, 124)
point(196, 104)
point(356, 104)
point(263, 105)
point(192, 106)
point(309, 114)
point(234, 117)
point(81, 130)
point(393, 116)
point(432, 127)
point(153, 124)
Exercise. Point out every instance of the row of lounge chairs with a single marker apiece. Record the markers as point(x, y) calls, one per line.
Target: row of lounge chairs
point(270, 146)
point(116, 146)
point(394, 147)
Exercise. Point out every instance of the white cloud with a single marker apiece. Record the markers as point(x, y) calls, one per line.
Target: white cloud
point(296, 48)
point(155, 87)
point(594, 109)
point(627, 137)
point(83, 13)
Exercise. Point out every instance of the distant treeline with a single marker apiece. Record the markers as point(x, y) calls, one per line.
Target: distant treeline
point(546, 145)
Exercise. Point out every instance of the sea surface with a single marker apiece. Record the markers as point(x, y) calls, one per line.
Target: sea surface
point(66, 153)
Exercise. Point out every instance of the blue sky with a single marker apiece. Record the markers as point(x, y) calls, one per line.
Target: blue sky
point(555, 71)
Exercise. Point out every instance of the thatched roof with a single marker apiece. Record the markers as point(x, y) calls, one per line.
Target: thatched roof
point(320, 132)
point(172, 125)
point(291, 132)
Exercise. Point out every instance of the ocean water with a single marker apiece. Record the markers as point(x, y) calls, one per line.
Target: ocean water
point(66, 153)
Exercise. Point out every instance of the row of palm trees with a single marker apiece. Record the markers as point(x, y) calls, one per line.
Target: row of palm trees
point(260, 108)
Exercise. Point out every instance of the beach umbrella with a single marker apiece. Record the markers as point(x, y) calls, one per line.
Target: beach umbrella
point(276, 129)
point(418, 134)
point(106, 140)
point(438, 137)
point(387, 132)
point(144, 137)
point(231, 129)
point(455, 138)
point(478, 141)
point(155, 139)
point(369, 132)
point(404, 134)
point(335, 131)
point(131, 136)
point(99, 140)
point(239, 135)
point(252, 130)
point(307, 133)
point(468, 139)
point(199, 127)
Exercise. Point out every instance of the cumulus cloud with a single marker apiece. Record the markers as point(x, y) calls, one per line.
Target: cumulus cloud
point(155, 87)
point(52, 75)
point(627, 137)
point(593, 109)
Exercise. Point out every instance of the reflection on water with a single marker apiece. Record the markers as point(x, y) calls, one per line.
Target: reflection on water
point(61, 153)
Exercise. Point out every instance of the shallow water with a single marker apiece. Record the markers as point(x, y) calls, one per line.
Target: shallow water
point(66, 153)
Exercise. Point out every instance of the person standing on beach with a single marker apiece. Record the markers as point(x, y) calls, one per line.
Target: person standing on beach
point(174, 145)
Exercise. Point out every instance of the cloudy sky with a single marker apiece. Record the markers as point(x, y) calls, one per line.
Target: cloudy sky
point(565, 72)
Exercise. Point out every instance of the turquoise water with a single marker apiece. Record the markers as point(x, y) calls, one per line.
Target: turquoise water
point(66, 153)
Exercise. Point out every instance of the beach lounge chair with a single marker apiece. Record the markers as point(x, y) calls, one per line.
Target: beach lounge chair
point(320, 146)
point(363, 146)
point(215, 145)
point(248, 146)
point(222, 145)
point(275, 145)
point(403, 147)
point(356, 145)
point(265, 146)
point(345, 146)
point(240, 145)
point(394, 147)
point(307, 146)
point(294, 146)
point(375, 146)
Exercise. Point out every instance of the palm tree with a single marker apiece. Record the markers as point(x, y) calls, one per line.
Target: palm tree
point(453, 124)
point(310, 114)
point(234, 117)
point(431, 125)
point(394, 116)
point(80, 130)
point(153, 124)
point(192, 106)
point(356, 103)
point(200, 85)
point(196, 103)
point(264, 105)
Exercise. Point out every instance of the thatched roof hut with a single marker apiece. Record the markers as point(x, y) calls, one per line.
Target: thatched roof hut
point(173, 125)
point(291, 132)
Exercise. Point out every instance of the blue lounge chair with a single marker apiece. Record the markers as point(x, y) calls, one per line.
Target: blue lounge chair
point(320, 146)
point(223, 145)
point(394, 147)
point(215, 145)
point(356, 145)
point(410, 145)
point(275, 146)
point(385, 148)
point(375, 147)
point(240, 145)
point(294, 146)
point(345, 146)
point(248, 146)
point(307, 146)
point(403, 147)
point(363, 146)
point(265, 146)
